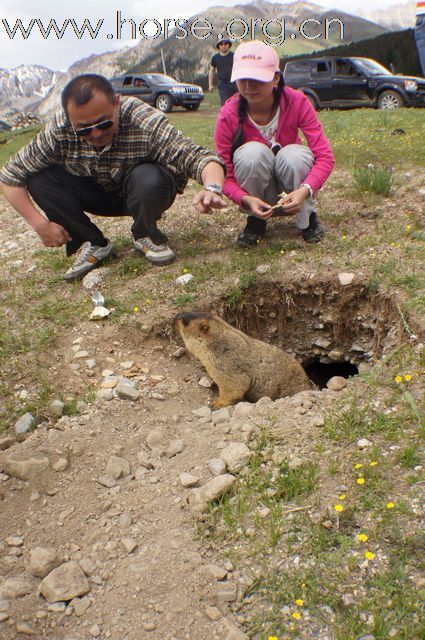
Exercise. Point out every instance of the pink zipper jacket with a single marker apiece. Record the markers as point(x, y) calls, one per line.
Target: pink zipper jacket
point(296, 113)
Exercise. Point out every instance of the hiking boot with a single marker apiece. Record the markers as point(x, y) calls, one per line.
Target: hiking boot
point(159, 254)
point(90, 257)
point(255, 229)
point(314, 232)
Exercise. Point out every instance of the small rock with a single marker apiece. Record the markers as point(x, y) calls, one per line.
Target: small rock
point(126, 520)
point(295, 463)
point(346, 278)
point(60, 465)
point(57, 607)
point(110, 382)
point(328, 524)
point(4, 616)
point(117, 467)
point(15, 588)
point(14, 541)
point(337, 383)
point(128, 544)
point(91, 363)
point(187, 480)
point(25, 469)
point(87, 566)
point(215, 488)
point(175, 447)
point(213, 613)
point(128, 364)
point(336, 355)
point(126, 392)
point(348, 600)
point(94, 631)
point(323, 343)
point(107, 372)
point(233, 632)
point(107, 481)
point(202, 412)
point(80, 605)
point(179, 352)
point(221, 416)
point(104, 394)
point(65, 583)
point(216, 571)
point(205, 382)
point(263, 268)
point(144, 461)
point(155, 439)
point(226, 592)
point(236, 456)
point(364, 443)
point(149, 626)
point(81, 354)
point(24, 627)
point(56, 408)
point(217, 466)
point(24, 424)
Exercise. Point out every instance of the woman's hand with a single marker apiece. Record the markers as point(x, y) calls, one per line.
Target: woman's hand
point(293, 202)
point(258, 207)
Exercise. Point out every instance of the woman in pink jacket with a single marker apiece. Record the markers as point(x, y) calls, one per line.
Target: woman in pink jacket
point(257, 136)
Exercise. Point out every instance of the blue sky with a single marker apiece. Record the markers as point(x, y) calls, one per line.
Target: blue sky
point(59, 54)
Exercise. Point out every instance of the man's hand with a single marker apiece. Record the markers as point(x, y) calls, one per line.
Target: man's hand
point(258, 207)
point(292, 202)
point(205, 200)
point(52, 234)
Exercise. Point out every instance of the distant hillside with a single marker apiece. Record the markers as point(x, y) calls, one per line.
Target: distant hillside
point(397, 48)
point(189, 59)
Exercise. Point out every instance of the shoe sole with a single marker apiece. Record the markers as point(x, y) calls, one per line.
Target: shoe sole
point(72, 277)
point(157, 263)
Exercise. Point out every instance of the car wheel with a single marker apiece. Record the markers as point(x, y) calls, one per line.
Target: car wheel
point(164, 103)
point(312, 101)
point(192, 107)
point(390, 100)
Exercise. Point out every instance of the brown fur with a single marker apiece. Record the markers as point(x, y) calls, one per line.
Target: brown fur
point(241, 367)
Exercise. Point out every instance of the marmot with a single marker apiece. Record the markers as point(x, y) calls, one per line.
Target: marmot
point(241, 367)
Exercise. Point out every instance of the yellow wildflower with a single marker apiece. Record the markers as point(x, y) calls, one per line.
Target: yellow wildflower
point(360, 480)
point(408, 377)
point(272, 638)
point(362, 537)
point(398, 379)
point(299, 602)
point(342, 496)
point(135, 308)
point(408, 227)
point(358, 466)
point(339, 507)
point(369, 555)
point(390, 505)
point(296, 615)
point(373, 463)
point(185, 270)
point(344, 237)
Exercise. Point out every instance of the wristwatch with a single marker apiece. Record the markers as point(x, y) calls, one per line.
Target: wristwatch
point(309, 189)
point(215, 188)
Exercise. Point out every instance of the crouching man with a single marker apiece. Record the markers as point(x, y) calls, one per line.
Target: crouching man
point(109, 156)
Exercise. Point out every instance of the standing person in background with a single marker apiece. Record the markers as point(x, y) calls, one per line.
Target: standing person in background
point(420, 33)
point(257, 136)
point(221, 67)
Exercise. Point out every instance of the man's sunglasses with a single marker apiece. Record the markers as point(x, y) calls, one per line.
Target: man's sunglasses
point(86, 131)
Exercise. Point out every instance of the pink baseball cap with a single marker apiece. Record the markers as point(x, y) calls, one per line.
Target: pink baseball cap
point(255, 60)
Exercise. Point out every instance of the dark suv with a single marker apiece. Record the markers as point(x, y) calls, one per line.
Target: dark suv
point(353, 82)
point(159, 90)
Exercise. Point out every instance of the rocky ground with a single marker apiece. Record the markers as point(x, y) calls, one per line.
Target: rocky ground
point(102, 529)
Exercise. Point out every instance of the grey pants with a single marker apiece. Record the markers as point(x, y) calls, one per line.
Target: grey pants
point(265, 175)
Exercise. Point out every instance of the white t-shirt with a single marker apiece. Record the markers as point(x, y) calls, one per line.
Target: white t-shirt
point(269, 130)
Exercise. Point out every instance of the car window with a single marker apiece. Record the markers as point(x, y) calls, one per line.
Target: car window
point(127, 80)
point(300, 69)
point(323, 68)
point(345, 68)
point(139, 82)
point(371, 67)
point(160, 78)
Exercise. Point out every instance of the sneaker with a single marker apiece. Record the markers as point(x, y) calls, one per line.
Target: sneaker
point(314, 232)
point(160, 254)
point(90, 257)
point(255, 229)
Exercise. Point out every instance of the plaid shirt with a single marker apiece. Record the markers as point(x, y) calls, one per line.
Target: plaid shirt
point(144, 135)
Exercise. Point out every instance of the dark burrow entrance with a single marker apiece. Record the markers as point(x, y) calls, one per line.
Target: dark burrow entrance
point(320, 372)
point(331, 329)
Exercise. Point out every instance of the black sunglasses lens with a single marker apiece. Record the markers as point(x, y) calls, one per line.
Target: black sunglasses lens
point(86, 131)
point(104, 125)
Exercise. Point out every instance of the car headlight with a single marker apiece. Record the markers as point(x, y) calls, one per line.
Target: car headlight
point(410, 85)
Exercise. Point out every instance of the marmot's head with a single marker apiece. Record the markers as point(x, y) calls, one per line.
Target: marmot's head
point(196, 324)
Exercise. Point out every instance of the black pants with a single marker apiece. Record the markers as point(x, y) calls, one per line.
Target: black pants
point(148, 191)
